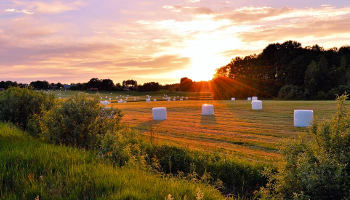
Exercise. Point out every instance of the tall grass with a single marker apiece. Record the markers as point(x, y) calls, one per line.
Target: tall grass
point(30, 168)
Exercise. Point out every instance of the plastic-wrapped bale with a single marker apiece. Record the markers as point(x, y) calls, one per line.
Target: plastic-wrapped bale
point(257, 105)
point(207, 109)
point(254, 98)
point(154, 99)
point(249, 98)
point(233, 99)
point(104, 102)
point(159, 113)
point(303, 118)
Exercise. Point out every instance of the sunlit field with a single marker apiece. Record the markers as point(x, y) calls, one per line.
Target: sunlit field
point(235, 130)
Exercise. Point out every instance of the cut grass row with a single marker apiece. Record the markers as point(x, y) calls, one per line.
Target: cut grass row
point(30, 168)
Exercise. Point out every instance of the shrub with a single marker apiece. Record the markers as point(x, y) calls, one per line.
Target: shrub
point(122, 147)
point(290, 92)
point(316, 168)
point(79, 121)
point(19, 105)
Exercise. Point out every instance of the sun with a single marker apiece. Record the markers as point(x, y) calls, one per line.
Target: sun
point(201, 69)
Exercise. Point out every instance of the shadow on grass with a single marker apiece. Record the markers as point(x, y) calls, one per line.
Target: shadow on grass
point(208, 120)
point(148, 125)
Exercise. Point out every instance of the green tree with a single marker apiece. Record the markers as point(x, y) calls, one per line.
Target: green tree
point(19, 105)
point(310, 80)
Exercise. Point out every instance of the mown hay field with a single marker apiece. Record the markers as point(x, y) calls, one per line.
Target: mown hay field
point(235, 130)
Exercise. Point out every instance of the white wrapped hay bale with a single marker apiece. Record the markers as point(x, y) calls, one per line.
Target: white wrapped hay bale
point(303, 118)
point(233, 99)
point(207, 109)
point(154, 99)
point(159, 113)
point(104, 103)
point(249, 98)
point(254, 98)
point(257, 105)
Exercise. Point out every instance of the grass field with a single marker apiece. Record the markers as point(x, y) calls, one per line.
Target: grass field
point(32, 169)
point(235, 130)
point(140, 96)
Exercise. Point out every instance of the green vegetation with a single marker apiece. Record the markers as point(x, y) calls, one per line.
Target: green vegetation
point(20, 105)
point(287, 71)
point(316, 168)
point(30, 168)
point(79, 121)
point(104, 159)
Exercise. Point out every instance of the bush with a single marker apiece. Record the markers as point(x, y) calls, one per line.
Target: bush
point(316, 168)
point(79, 121)
point(122, 147)
point(290, 92)
point(19, 105)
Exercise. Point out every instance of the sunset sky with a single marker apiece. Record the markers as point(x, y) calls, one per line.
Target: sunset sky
point(154, 40)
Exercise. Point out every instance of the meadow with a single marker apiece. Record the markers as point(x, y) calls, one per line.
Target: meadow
point(228, 151)
point(33, 169)
point(235, 130)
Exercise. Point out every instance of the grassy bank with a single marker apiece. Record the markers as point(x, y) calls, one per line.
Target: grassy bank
point(30, 168)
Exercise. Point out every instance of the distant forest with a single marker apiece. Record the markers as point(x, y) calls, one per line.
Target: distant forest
point(283, 71)
point(288, 71)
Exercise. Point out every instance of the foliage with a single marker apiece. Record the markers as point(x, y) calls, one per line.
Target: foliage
point(290, 92)
point(151, 86)
point(130, 84)
point(31, 169)
point(19, 105)
point(79, 121)
point(315, 70)
point(7, 84)
point(40, 85)
point(316, 167)
point(237, 177)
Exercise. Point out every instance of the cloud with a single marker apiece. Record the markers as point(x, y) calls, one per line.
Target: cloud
point(50, 7)
point(23, 11)
point(149, 40)
point(189, 9)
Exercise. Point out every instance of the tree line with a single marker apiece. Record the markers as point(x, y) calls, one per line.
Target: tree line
point(284, 71)
point(288, 71)
point(94, 84)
